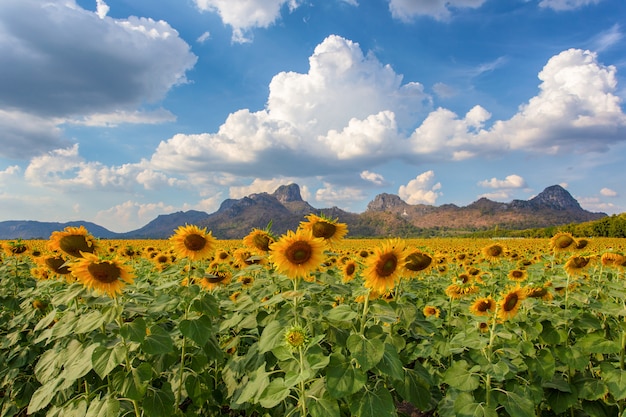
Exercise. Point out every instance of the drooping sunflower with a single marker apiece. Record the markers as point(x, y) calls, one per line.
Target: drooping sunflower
point(55, 264)
point(386, 266)
point(483, 306)
point(320, 226)
point(612, 259)
point(518, 275)
point(213, 279)
point(74, 241)
point(510, 303)
point(431, 311)
point(562, 241)
point(539, 292)
point(191, 242)
point(259, 240)
point(297, 254)
point(417, 261)
point(102, 275)
point(244, 257)
point(493, 252)
point(577, 265)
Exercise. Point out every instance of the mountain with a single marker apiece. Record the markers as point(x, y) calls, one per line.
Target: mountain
point(30, 229)
point(386, 215)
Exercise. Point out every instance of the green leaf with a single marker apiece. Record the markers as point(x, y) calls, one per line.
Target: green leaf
point(518, 406)
point(198, 330)
point(43, 395)
point(460, 377)
point(367, 352)
point(103, 407)
point(550, 335)
point(390, 364)
point(196, 391)
point(375, 403)
point(135, 331)
point(316, 358)
point(133, 384)
point(342, 378)
point(572, 357)
point(341, 313)
point(559, 400)
point(157, 342)
point(78, 362)
point(274, 393)
point(324, 407)
point(414, 389)
point(615, 380)
point(206, 305)
point(591, 389)
point(88, 322)
point(465, 406)
point(259, 380)
point(159, 403)
point(272, 336)
point(596, 342)
point(105, 359)
point(49, 364)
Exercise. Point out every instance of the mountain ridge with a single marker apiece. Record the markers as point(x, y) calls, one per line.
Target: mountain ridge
point(386, 215)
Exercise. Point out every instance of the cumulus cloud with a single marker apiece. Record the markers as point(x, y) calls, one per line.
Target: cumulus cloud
point(243, 15)
point(348, 108)
point(607, 192)
point(511, 181)
point(24, 134)
point(373, 177)
point(130, 213)
point(407, 10)
point(60, 62)
point(332, 195)
point(259, 186)
point(421, 190)
point(561, 5)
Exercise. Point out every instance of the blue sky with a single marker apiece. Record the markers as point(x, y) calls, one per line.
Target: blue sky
point(116, 111)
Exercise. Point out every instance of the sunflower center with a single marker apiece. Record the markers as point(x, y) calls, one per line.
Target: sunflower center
point(418, 262)
point(494, 250)
point(324, 229)
point(56, 265)
point(299, 252)
point(483, 306)
point(517, 274)
point(194, 242)
point(75, 244)
point(580, 262)
point(262, 242)
point(216, 277)
point(386, 265)
point(104, 272)
point(510, 302)
point(350, 269)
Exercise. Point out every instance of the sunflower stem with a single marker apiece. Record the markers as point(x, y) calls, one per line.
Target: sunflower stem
point(366, 304)
point(302, 390)
point(179, 391)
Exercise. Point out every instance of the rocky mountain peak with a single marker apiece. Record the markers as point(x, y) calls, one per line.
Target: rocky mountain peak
point(556, 197)
point(385, 202)
point(288, 193)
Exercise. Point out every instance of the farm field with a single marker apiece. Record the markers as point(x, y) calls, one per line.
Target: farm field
point(312, 323)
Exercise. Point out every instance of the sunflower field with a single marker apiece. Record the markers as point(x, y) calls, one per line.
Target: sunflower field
point(312, 323)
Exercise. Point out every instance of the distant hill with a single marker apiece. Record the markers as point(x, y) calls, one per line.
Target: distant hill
point(386, 215)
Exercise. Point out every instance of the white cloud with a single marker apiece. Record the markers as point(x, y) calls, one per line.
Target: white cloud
point(608, 38)
point(102, 9)
point(204, 37)
point(560, 5)
point(332, 195)
point(444, 91)
point(259, 186)
point(373, 177)
point(407, 10)
point(607, 192)
point(9, 173)
point(24, 135)
point(116, 118)
point(511, 181)
point(243, 15)
point(421, 190)
point(125, 216)
point(501, 195)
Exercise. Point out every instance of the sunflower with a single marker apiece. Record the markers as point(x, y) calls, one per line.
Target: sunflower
point(320, 226)
point(349, 271)
point(417, 261)
point(431, 311)
point(612, 259)
point(483, 306)
point(493, 252)
point(562, 241)
point(576, 265)
point(75, 241)
point(296, 337)
point(15, 248)
point(213, 279)
point(518, 275)
point(386, 266)
point(510, 303)
point(55, 264)
point(259, 240)
point(191, 242)
point(106, 276)
point(297, 254)
point(244, 257)
point(539, 292)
